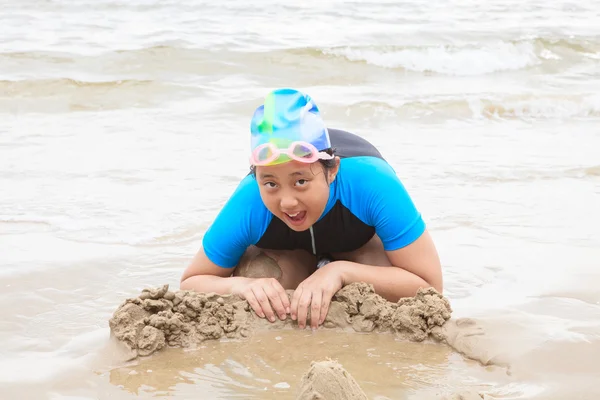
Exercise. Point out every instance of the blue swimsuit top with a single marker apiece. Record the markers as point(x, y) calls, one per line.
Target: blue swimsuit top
point(365, 198)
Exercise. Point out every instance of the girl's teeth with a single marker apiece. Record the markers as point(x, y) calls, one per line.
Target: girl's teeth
point(293, 215)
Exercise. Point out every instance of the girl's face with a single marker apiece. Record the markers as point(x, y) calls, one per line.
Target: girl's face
point(296, 192)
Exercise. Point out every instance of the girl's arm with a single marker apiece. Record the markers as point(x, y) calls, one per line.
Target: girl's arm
point(414, 266)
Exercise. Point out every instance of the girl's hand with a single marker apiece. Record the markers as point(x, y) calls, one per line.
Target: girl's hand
point(265, 295)
point(316, 292)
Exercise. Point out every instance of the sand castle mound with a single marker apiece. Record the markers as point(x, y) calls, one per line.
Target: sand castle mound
point(159, 317)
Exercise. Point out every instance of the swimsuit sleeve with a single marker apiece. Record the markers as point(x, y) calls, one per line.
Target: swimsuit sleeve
point(381, 200)
point(240, 223)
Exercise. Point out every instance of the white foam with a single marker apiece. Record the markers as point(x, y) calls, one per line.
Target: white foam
point(595, 56)
point(465, 60)
point(549, 55)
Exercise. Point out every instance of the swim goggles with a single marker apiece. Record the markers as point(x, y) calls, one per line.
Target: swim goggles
point(298, 151)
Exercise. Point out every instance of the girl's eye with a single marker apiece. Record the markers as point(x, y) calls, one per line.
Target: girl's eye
point(270, 184)
point(301, 182)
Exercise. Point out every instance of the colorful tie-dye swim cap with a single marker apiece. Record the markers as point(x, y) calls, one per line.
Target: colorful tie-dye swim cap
point(288, 115)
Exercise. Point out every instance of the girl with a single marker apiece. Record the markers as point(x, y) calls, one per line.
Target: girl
point(320, 209)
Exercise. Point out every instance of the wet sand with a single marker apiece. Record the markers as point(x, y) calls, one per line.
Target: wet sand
point(159, 318)
point(271, 364)
point(329, 380)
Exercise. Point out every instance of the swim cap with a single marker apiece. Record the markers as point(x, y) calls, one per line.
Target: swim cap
point(286, 116)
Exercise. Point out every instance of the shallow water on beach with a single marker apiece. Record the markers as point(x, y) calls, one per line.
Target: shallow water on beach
point(124, 128)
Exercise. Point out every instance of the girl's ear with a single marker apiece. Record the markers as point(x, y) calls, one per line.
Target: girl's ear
point(332, 172)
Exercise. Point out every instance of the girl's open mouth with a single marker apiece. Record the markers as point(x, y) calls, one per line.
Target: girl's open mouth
point(296, 218)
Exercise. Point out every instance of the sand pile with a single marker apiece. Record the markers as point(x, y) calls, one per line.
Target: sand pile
point(328, 380)
point(159, 317)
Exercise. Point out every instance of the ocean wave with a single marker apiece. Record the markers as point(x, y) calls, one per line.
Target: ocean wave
point(11, 225)
point(469, 59)
point(446, 60)
point(589, 171)
point(62, 94)
point(49, 86)
point(172, 61)
point(484, 178)
point(174, 71)
point(505, 107)
point(538, 107)
point(182, 57)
